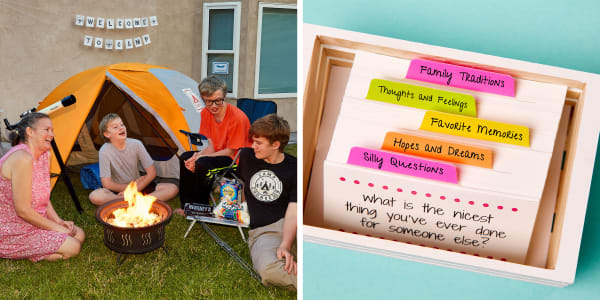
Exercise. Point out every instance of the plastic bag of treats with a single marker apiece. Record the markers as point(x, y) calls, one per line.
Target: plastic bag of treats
point(230, 206)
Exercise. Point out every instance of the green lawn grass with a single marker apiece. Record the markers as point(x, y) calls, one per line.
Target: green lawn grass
point(196, 267)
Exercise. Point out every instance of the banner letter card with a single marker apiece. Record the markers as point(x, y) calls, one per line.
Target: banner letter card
point(110, 24)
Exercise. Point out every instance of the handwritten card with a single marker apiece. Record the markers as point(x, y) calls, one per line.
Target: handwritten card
point(428, 213)
point(421, 97)
point(437, 149)
point(402, 164)
point(461, 77)
point(476, 128)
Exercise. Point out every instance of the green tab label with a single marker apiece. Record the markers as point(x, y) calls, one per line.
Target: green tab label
point(422, 97)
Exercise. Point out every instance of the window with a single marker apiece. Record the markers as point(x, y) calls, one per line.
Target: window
point(221, 43)
point(276, 49)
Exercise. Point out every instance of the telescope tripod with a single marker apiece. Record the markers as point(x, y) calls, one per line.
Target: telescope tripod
point(65, 176)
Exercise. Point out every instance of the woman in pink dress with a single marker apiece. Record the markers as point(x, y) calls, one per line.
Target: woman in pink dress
point(29, 226)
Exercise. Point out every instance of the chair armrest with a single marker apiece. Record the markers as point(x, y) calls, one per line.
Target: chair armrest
point(195, 138)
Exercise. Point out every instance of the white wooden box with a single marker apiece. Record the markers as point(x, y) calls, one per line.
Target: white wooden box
point(552, 256)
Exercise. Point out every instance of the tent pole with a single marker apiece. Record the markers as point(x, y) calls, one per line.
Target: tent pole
point(65, 176)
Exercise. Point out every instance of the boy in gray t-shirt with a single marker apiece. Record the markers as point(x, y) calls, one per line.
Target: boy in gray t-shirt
point(120, 159)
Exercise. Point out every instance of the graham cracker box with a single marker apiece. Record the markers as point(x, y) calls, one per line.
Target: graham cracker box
point(446, 157)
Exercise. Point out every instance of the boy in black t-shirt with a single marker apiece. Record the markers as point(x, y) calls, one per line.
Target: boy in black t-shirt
point(270, 190)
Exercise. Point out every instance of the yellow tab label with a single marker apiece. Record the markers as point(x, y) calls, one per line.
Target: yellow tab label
point(476, 128)
point(437, 149)
point(422, 97)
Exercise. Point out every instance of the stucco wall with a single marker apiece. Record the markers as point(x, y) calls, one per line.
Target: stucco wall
point(40, 45)
point(286, 107)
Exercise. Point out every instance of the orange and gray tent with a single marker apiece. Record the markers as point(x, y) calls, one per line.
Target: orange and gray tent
point(153, 102)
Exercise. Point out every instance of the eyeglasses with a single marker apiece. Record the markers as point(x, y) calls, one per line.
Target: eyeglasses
point(214, 102)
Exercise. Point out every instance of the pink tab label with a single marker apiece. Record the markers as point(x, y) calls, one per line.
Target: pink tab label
point(402, 164)
point(461, 77)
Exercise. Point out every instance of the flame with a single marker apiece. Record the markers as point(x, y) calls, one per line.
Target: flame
point(138, 213)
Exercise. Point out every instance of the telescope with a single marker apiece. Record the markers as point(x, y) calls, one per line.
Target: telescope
point(64, 102)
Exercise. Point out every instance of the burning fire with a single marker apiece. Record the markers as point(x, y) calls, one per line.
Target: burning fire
point(138, 213)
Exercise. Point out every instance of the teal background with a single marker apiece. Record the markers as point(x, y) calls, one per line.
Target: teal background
point(558, 33)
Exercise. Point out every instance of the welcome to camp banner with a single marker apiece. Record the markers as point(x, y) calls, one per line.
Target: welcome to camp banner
point(112, 24)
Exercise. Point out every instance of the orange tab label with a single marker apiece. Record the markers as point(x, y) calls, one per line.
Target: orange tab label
point(436, 149)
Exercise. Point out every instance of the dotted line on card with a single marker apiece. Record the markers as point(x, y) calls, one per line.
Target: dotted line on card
point(423, 245)
point(428, 195)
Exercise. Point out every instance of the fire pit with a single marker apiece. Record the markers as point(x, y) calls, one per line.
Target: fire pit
point(136, 234)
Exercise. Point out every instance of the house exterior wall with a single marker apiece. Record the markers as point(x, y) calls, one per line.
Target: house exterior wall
point(41, 46)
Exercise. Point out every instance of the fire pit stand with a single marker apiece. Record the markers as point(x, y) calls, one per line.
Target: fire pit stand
point(129, 240)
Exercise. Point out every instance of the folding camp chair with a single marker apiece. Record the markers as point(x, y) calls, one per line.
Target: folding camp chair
point(256, 109)
point(196, 139)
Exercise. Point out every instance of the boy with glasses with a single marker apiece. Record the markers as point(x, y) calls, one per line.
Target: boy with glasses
point(226, 128)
